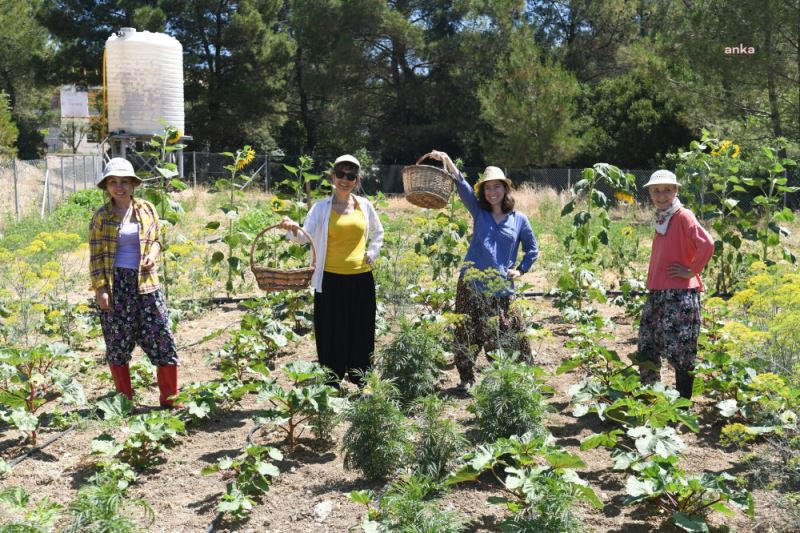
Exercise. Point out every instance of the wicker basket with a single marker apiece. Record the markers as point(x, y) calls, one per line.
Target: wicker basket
point(427, 186)
point(276, 279)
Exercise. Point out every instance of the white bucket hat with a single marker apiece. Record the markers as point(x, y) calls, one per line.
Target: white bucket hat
point(120, 167)
point(347, 158)
point(662, 177)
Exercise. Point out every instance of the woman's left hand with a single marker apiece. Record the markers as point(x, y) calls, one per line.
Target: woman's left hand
point(677, 270)
point(513, 273)
point(148, 263)
point(367, 260)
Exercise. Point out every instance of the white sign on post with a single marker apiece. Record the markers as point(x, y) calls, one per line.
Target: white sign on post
point(74, 102)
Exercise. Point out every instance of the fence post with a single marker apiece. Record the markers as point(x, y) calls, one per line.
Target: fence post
point(74, 173)
point(84, 172)
point(569, 179)
point(266, 174)
point(194, 169)
point(16, 187)
point(47, 184)
point(62, 177)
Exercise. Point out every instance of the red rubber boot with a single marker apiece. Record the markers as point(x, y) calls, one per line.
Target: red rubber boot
point(167, 386)
point(122, 379)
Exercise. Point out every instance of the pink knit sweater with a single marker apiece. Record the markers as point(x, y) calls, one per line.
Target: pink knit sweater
point(686, 242)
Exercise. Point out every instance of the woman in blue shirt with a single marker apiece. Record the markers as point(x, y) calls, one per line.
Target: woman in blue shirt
point(485, 286)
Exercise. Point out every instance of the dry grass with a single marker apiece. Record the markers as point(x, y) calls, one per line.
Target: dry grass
point(30, 186)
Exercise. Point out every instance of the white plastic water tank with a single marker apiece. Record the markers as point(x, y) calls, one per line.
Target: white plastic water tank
point(144, 82)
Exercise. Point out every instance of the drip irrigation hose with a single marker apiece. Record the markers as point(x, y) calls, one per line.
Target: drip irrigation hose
point(15, 461)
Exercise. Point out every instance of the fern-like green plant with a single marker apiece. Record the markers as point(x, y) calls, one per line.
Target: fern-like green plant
point(102, 506)
point(439, 442)
point(378, 440)
point(509, 400)
point(413, 360)
point(409, 504)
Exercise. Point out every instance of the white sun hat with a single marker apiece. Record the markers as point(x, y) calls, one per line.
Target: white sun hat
point(117, 166)
point(662, 177)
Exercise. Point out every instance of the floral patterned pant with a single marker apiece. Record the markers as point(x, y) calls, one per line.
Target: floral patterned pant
point(137, 319)
point(669, 327)
point(491, 325)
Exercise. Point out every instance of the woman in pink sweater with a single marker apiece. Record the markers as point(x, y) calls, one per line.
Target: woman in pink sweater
point(670, 321)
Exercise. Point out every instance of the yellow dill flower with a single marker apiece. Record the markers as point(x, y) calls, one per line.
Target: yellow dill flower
point(626, 231)
point(736, 151)
point(244, 157)
point(623, 197)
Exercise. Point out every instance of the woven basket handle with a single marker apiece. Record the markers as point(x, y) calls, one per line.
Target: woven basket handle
point(426, 156)
point(263, 231)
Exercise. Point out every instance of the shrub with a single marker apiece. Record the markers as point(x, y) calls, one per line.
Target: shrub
point(408, 505)
point(413, 361)
point(540, 496)
point(509, 399)
point(439, 443)
point(378, 439)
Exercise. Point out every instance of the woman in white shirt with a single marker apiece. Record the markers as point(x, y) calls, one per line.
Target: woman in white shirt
point(348, 236)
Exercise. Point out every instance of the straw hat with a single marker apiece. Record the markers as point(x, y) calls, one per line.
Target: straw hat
point(492, 174)
point(347, 158)
point(662, 177)
point(120, 167)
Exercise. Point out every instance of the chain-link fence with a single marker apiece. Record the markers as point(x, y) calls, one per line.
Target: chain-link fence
point(37, 186)
point(28, 187)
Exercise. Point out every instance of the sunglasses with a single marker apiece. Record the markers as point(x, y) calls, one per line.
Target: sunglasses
point(349, 176)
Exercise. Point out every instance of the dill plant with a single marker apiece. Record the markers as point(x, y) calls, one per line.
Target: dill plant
point(413, 360)
point(378, 440)
point(509, 400)
point(439, 442)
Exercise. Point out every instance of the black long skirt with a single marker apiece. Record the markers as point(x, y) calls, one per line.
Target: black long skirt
point(344, 322)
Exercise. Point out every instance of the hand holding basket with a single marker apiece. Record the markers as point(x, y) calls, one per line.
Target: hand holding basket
point(277, 279)
point(427, 186)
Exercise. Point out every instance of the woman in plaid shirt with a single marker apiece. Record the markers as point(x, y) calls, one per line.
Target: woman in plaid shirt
point(124, 245)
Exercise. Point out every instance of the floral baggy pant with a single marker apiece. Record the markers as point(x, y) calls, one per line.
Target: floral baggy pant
point(491, 325)
point(135, 318)
point(669, 327)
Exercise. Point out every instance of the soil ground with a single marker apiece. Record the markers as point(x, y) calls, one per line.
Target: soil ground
point(312, 477)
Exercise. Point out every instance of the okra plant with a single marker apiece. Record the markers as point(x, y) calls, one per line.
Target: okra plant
point(252, 471)
point(538, 481)
point(308, 402)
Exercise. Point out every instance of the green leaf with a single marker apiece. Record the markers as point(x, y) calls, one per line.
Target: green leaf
point(638, 488)
point(564, 460)
point(217, 257)
point(728, 408)
point(212, 225)
point(178, 184)
point(24, 421)
point(608, 440)
point(690, 523)
point(589, 495)
point(106, 445)
point(363, 497)
point(115, 406)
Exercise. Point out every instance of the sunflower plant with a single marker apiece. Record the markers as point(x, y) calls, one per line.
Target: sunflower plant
point(235, 239)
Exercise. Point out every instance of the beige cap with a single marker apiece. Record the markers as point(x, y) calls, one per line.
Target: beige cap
point(662, 177)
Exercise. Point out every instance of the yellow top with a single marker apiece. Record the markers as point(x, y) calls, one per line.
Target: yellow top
point(347, 243)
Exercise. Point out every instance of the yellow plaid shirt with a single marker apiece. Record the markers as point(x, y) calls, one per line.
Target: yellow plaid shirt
point(103, 233)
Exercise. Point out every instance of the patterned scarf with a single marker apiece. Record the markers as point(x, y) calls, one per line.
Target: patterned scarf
point(663, 215)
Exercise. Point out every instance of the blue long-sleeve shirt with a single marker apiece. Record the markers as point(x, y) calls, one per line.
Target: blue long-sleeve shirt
point(495, 245)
